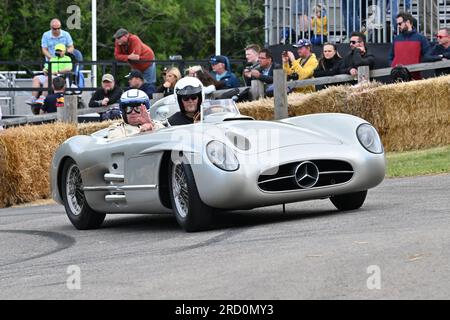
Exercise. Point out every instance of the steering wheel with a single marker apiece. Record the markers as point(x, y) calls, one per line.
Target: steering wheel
point(214, 109)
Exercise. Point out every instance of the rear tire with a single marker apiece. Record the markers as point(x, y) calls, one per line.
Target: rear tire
point(77, 208)
point(349, 201)
point(190, 211)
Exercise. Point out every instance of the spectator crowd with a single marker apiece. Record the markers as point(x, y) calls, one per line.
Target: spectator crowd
point(299, 63)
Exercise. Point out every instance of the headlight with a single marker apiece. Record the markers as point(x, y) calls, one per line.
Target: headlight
point(369, 138)
point(222, 156)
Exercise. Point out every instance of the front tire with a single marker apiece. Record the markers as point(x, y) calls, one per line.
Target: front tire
point(190, 211)
point(77, 208)
point(349, 201)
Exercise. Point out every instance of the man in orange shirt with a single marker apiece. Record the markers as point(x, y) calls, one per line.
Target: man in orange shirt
point(129, 48)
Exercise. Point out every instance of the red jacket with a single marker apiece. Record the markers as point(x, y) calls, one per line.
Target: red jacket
point(135, 45)
point(409, 48)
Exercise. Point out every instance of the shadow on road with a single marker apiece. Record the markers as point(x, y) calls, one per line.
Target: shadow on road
point(222, 219)
point(245, 219)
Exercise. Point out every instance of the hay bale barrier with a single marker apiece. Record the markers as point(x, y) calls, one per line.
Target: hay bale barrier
point(408, 116)
point(25, 157)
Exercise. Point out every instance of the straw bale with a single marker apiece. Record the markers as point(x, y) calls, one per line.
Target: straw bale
point(25, 157)
point(408, 116)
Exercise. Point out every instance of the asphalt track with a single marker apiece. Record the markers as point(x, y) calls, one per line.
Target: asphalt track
point(396, 247)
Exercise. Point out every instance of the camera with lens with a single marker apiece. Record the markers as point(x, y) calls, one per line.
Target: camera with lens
point(293, 77)
point(249, 68)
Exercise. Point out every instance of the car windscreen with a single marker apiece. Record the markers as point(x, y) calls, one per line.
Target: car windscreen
point(215, 107)
point(166, 107)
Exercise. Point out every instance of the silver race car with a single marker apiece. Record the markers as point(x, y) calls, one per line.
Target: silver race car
point(226, 161)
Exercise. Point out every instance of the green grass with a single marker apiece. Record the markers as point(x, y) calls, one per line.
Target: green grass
point(414, 163)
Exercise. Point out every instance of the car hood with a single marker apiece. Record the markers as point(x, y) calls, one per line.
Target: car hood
point(264, 135)
point(249, 136)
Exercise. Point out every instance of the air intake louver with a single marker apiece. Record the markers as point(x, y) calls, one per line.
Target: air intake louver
point(304, 175)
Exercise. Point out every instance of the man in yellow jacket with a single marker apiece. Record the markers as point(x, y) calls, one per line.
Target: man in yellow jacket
point(303, 67)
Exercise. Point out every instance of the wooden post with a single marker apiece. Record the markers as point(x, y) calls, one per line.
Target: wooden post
point(280, 94)
point(363, 74)
point(68, 113)
point(257, 90)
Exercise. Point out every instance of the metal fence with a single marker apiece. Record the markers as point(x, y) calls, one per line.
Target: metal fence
point(256, 92)
point(15, 86)
point(334, 20)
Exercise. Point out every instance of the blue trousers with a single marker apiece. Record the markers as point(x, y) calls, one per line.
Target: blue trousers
point(150, 74)
point(352, 19)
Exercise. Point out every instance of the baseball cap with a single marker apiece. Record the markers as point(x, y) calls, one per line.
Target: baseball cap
point(135, 74)
point(217, 59)
point(302, 43)
point(119, 33)
point(60, 46)
point(108, 77)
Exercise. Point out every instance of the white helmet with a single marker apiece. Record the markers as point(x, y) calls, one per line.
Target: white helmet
point(189, 86)
point(133, 98)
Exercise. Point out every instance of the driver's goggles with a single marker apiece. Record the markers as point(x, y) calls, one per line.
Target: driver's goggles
point(136, 107)
point(191, 97)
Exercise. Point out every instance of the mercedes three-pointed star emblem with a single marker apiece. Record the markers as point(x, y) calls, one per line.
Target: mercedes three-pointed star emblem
point(306, 174)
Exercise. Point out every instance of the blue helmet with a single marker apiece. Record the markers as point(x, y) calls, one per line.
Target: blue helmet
point(133, 98)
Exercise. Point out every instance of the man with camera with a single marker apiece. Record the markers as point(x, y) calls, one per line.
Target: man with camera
point(264, 72)
point(251, 54)
point(302, 68)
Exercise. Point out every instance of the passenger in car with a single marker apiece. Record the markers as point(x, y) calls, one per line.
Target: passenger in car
point(189, 95)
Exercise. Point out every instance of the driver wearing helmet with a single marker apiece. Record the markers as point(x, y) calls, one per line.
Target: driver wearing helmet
point(133, 105)
point(189, 96)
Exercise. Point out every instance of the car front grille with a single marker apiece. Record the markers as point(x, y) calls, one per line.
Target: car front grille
point(305, 175)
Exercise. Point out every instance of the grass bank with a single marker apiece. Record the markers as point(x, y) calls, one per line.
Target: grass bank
point(421, 162)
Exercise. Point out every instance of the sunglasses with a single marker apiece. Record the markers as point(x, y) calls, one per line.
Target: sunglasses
point(400, 23)
point(191, 97)
point(441, 37)
point(56, 28)
point(355, 42)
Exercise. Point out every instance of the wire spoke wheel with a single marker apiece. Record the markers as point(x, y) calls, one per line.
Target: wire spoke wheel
point(75, 203)
point(180, 189)
point(74, 190)
point(191, 212)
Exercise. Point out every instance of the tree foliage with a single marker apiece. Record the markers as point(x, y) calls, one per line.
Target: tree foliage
point(185, 27)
